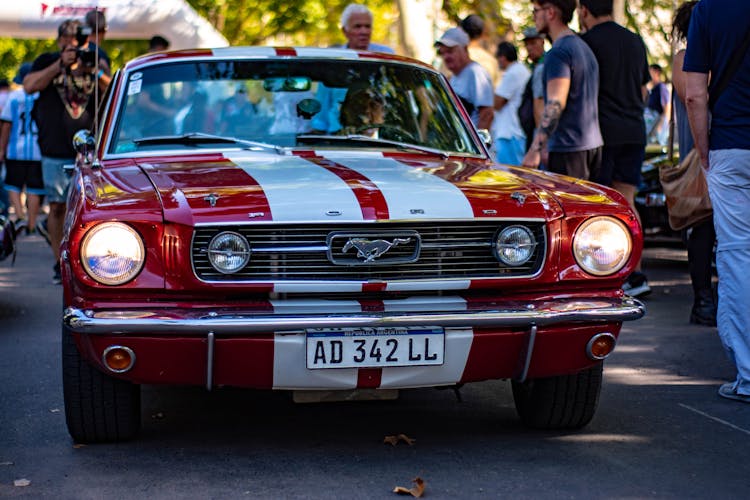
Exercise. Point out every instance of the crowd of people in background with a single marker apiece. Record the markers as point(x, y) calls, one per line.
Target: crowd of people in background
point(585, 108)
point(54, 97)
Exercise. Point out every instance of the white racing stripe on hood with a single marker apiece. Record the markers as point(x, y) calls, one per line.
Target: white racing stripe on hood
point(299, 190)
point(411, 193)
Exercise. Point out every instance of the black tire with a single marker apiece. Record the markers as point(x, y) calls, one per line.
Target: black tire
point(98, 408)
point(563, 402)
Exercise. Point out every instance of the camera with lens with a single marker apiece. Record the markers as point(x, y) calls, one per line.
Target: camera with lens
point(88, 55)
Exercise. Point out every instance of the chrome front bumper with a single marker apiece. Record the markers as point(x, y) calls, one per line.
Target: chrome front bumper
point(244, 322)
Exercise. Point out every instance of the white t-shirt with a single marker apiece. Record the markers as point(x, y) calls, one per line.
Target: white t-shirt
point(473, 84)
point(506, 124)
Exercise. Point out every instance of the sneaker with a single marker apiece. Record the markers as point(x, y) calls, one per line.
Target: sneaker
point(41, 228)
point(56, 276)
point(20, 225)
point(730, 392)
point(636, 285)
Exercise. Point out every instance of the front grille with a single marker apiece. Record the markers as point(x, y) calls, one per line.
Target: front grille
point(454, 250)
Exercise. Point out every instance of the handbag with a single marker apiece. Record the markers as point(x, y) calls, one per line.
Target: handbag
point(686, 190)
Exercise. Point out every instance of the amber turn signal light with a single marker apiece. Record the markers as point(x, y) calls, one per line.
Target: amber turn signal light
point(118, 359)
point(600, 346)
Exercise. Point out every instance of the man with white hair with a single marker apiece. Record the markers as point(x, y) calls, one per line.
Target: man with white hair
point(470, 80)
point(356, 24)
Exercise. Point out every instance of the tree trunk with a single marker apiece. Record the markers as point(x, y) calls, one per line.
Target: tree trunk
point(417, 28)
point(618, 12)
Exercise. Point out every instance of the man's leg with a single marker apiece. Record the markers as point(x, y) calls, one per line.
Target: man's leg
point(35, 191)
point(626, 163)
point(729, 186)
point(33, 205)
point(15, 201)
point(55, 227)
point(56, 182)
point(13, 186)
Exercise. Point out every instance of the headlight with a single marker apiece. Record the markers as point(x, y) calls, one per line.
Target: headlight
point(228, 252)
point(112, 253)
point(514, 245)
point(602, 245)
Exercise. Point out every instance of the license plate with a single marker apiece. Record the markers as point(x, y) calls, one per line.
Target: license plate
point(374, 347)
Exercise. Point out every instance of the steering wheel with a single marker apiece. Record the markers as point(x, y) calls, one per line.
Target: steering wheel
point(393, 132)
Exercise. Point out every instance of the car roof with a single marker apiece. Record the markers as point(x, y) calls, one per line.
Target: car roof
point(339, 53)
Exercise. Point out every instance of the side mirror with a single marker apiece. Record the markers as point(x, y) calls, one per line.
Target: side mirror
point(486, 137)
point(84, 144)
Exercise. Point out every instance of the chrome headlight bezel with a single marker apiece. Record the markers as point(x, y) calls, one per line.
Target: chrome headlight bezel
point(589, 243)
point(243, 253)
point(105, 244)
point(501, 244)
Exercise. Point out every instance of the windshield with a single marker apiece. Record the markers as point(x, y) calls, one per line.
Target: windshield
point(304, 103)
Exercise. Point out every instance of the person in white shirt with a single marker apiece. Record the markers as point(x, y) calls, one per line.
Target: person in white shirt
point(508, 135)
point(470, 81)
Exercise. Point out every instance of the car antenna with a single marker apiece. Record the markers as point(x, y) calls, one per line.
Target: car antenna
point(95, 163)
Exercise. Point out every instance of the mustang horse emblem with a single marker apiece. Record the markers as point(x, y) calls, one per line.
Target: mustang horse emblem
point(372, 249)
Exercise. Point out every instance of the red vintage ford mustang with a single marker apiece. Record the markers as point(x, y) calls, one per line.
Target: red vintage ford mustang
point(326, 220)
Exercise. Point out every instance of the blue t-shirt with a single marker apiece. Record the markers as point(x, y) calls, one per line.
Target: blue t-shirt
point(578, 129)
point(717, 29)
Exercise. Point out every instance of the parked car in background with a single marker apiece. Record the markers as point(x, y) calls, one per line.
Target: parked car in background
point(651, 203)
point(231, 226)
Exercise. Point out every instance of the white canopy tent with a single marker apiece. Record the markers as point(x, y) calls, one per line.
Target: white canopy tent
point(126, 19)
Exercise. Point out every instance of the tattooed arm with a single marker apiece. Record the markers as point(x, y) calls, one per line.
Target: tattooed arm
point(557, 98)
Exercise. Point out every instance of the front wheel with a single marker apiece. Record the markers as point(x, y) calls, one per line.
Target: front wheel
point(562, 402)
point(98, 408)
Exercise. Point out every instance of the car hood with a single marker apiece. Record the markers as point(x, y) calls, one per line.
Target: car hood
point(350, 187)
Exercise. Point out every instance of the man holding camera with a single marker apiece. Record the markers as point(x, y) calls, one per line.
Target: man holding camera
point(67, 82)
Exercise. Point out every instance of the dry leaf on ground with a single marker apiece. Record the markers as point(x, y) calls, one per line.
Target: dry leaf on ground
point(417, 491)
point(393, 440)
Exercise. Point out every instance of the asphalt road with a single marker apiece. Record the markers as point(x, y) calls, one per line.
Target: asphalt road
point(660, 431)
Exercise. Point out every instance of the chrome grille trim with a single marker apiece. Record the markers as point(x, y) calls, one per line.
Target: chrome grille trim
point(451, 250)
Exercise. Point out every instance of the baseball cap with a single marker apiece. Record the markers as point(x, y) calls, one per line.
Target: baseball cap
point(530, 33)
point(453, 38)
point(22, 72)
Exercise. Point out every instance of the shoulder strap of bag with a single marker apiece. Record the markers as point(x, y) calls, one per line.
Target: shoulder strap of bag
point(732, 67)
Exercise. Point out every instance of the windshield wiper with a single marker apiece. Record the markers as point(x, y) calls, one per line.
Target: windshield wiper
point(194, 138)
point(375, 140)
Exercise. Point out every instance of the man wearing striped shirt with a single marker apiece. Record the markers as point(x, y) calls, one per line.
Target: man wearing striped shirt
point(20, 149)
